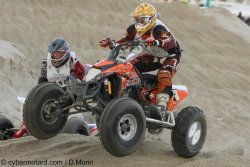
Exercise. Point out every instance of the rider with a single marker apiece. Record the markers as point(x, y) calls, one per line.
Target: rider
point(60, 62)
point(162, 43)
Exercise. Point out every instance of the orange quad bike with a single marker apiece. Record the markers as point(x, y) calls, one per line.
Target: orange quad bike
point(124, 102)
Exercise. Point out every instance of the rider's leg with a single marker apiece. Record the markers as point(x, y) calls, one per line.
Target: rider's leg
point(162, 97)
point(165, 75)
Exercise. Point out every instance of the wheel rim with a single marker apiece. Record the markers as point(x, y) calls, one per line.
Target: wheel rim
point(127, 127)
point(47, 110)
point(194, 133)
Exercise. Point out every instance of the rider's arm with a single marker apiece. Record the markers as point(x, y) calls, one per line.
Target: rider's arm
point(129, 35)
point(77, 68)
point(165, 38)
point(43, 76)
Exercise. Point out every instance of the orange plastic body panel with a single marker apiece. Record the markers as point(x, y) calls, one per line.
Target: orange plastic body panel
point(103, 63)
point(179, 93)
point(125, 70)
point(122, 69)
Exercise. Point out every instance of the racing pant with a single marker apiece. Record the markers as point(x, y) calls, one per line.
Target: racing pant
point(164, 76)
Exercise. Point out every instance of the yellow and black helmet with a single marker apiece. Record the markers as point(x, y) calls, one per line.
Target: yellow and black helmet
point(145, 16)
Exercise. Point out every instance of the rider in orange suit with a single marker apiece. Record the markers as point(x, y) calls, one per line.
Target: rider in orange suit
point(148, 27)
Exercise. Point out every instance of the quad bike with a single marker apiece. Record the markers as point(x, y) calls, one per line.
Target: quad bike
point(124, 102)
point(74, 125)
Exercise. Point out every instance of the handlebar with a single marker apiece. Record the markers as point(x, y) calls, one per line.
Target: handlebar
point(116, 50)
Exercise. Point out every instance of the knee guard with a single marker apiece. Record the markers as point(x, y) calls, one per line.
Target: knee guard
point(164, 79)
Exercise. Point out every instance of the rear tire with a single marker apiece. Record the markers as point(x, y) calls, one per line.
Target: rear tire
point(122, 126)
point(76, 125)
point(5, 124)
point(36, 108)
point(189, 133)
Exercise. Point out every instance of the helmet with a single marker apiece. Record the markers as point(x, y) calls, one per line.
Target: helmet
point(59, 50)
point(145, 16)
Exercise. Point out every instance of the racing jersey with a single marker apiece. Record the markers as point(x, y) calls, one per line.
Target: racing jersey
point(168, 45)
point(51, 73)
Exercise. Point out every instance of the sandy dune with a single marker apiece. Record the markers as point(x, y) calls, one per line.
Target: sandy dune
point(215, 68)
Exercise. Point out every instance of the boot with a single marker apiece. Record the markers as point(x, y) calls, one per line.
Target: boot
point(162, 101)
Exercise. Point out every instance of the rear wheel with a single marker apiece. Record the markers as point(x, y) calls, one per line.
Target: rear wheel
point(76, 125)
point(39, 112)
point(188, 136)
point(5, 124)
point(122, 126)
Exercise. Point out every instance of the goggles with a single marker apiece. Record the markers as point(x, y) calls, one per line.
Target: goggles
point(142, 20)
point(58, 54)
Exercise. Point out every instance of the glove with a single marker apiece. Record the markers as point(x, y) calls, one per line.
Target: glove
point(151, 42)
point(105, 42)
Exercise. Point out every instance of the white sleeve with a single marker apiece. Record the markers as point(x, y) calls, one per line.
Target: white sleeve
point(73, 57)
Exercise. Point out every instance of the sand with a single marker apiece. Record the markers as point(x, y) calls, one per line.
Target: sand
point(215, 68)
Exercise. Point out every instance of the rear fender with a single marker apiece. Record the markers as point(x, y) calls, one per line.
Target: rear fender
point(179, 93)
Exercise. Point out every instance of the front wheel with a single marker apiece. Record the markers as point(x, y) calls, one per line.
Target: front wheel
point(122, 126)
point(189, 133)
point(39, 111)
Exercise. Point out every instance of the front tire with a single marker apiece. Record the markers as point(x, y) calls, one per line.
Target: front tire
point(37, 108)
point(189, 133)
point(122, 126)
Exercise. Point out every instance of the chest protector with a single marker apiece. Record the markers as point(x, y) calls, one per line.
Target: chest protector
point(59, 74)
point(157, 51)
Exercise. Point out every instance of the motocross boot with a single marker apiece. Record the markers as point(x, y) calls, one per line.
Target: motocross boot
point(162, 101)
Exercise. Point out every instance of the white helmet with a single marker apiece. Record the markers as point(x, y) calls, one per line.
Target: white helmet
point(59, 50)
